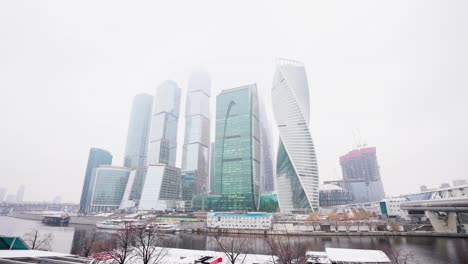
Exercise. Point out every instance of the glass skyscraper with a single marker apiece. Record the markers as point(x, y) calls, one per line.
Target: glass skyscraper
point(96, 158)
point(162, 187)
point(212, 165)
point(296, 166)
point(197, 135)
point(267, 171)
point(164, 124)
point(107, 188)
point(136, 149)
point(237, 149)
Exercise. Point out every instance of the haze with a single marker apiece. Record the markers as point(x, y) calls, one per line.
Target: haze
point(395, 71)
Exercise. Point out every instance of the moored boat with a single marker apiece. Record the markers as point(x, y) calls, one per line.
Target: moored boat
point(120, 224)
point(163, 227)
point(56, 220)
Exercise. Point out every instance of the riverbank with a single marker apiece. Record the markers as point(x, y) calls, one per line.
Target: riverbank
point(74, 220)
point(92, 220)
point(327, 234)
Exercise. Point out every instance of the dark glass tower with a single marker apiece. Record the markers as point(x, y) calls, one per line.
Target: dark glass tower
point(97, 157)
point(237, 149)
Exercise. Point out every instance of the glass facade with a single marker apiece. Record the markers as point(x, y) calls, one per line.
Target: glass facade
point(107, 188)
point(136, 149)
point(138, 131)
point(96, 158)
point(164, 125)
point(212, 165)
point(197, 135)
point(267, 172)
point(162, 189)
point(237, 149)
point(296, 164)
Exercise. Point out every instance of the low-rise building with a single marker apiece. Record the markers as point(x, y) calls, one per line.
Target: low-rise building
point(331, 195)
point(257, 221)
point(107, 187)
point(390, 208)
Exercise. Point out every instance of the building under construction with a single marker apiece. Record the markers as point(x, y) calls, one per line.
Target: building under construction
point(361, 175)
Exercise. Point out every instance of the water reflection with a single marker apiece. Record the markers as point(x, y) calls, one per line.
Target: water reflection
point(425, 249)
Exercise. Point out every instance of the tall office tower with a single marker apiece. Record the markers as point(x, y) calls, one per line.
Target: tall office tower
point(136, 149)
point(361, 175)
point(212, 165)
point(106, 189)
point(296, 164)
point(96, 158)
point(3, 192)
point(237, 149)
point(197, 136)
point(267, 169)
point(161, 190)
point(20, 194)
point(164, 124)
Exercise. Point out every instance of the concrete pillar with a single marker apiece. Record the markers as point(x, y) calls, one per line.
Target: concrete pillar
point(443, 224)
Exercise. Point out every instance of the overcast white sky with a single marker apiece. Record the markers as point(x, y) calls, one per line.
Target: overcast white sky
point(397, 71)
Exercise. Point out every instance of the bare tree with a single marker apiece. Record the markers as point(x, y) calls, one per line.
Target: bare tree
point(334, 219)
point(314, 216)
point(149, 246)
point(287, 249)
point(124, 242)
point(38, 241)
point(347, 225)
point(87, 243)
point(399, 256)
point(233, 248)
point(316, 225)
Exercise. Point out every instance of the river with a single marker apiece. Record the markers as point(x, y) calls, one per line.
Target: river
point(422, 249)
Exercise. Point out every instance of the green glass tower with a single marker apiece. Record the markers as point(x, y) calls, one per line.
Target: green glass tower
point(236, 183)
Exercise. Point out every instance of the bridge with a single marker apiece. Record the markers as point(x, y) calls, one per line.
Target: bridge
point(446, 208)
point(6, 207)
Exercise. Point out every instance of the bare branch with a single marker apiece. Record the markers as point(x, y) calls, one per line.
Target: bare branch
point(233, 247)
point(37, 240)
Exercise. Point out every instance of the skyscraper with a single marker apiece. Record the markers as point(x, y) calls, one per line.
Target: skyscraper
point(96, 158)
point(267, 172)
point(161, 189)
point(296, 165)
point(20, 194)
point(237, 149)
point(164, 124)
point(197, 135)
point(136, 149)
point(212, 165)
point(361, 175)
point(360, 164)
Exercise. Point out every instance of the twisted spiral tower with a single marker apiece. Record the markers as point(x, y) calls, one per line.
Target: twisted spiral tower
point(296, 167)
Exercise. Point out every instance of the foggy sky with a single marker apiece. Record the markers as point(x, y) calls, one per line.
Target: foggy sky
point(395, 71)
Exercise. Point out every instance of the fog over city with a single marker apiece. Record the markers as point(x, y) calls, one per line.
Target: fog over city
point(393, 74)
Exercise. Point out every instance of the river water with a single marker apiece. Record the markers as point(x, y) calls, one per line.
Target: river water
point(422, 249)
